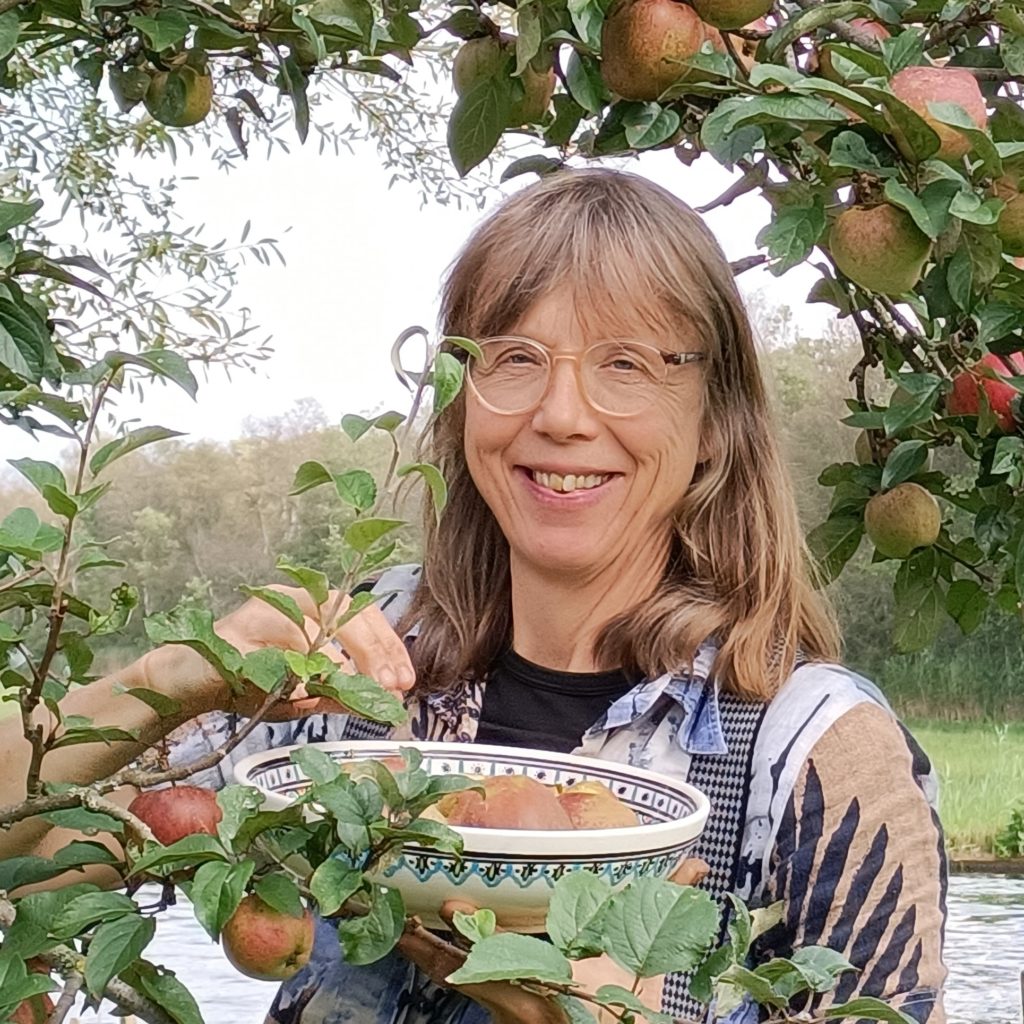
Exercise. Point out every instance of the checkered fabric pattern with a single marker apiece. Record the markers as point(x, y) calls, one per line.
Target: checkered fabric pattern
point(725, 779)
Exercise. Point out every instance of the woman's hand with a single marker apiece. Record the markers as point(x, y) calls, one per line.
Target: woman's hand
point(511, 1004)
point(367, 642)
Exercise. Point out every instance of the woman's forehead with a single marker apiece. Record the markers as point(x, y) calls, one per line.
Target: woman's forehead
point(598, 315)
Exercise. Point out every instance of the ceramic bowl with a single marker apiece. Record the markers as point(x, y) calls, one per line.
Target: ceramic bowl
point(513, 871)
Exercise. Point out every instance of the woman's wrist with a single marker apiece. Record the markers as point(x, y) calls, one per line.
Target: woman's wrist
point(184, 676)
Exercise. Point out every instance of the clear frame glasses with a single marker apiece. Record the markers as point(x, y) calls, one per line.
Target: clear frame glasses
point(618, 378)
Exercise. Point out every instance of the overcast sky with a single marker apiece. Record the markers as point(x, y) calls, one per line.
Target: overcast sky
point(364, 261)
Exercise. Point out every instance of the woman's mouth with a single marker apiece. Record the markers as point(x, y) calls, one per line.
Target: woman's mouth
point(570, 482)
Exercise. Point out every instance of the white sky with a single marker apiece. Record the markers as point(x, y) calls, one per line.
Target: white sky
point(363, 262)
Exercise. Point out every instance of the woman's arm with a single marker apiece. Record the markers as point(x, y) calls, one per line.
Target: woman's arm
point(860, 867)
point(186, 677)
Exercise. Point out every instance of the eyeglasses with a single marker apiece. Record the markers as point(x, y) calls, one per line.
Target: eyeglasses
point(619, 378)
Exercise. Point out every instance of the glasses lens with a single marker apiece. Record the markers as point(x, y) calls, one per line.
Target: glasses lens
point(623, 377)
point(511, 373)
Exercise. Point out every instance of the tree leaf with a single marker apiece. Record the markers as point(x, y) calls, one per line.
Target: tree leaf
point(649, 124)
point(193, 627)
point(310, 475)
point(162, 986)
point(477, 121)
point(166, 29)
point(217, 889)
point(616, 995)
point(868, 1008)
point(237, 804)
point(280, 892)
point(357, 488)
point(508, 956)
point(163, 705)
point(919, 603)
point(578, 903)
point(904, 461)
point(89, 909)
point(284, 603)
point(654, 926)
point(446, 378)
point(318, 766)
point(128, 443)
point(586, 87)
point(265, 668)
point(313, 581)
point(160, 361)
point(13, 214)
point(361, 695)
point(114, 946)
point(192, 850)
point(433, 479)
point(332, 884)
point(40, 474)
point(834, 543)
point(365, 940)
point(364, 533)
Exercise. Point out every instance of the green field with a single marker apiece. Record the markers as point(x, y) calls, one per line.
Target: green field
point(981, 766)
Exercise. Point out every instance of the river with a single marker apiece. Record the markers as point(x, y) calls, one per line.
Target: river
point(984, 944)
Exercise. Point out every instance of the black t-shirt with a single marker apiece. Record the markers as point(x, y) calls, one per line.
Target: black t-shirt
point(526, 705)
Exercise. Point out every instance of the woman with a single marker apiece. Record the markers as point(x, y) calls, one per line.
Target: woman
point(619, 570)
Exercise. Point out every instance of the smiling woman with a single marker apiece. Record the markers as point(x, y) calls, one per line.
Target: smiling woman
point(619, 571)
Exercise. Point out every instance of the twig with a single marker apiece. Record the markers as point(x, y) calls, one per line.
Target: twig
point(72, 983)
point(15, 581)
point(984, 577)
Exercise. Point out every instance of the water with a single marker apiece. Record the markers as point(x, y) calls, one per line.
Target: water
point(984, 948)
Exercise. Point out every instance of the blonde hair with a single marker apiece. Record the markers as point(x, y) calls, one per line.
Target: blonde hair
point(738, 572)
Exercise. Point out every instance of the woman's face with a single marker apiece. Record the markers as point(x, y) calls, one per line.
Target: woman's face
point(645, 461)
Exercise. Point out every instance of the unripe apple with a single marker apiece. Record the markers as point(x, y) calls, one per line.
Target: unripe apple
point(643, 43)
point(731, 13)
point(964, 400)
point(902, 520)
point(485, 58)
point(879, 247)
point(177, 812)
point(1010, 226)
point(266, 944)
point(919, 86)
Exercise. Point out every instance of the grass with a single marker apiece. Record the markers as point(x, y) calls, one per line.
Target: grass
point(981, 767)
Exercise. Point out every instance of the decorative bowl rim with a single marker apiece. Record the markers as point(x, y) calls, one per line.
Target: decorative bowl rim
point(632, 840)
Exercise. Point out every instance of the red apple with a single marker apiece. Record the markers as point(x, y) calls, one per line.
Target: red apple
point(643, 43)
point(919, 86)
point(964, 401)
point(266, 944)
point(177, 812)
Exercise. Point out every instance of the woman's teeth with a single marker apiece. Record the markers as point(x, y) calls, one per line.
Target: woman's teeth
point(568, 483)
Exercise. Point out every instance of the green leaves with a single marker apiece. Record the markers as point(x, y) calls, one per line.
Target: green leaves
point(365, 940)
point(284, 603)
point(433, 479)
point(128, 443)
point(834, 543)
point(113, 947)
point(362, 695)
point(447, 380)
point(509, 956)
point(477, 122)
point(576, 913)
point(333, 882)
point(794, 231)
point(193, 627)
point(217, 889)
point(655, 926)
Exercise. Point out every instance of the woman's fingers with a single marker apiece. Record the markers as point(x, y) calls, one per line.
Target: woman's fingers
point(691, 871)
point(377, 650)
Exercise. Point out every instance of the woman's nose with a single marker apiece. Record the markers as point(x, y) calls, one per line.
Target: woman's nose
point(564, 410)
